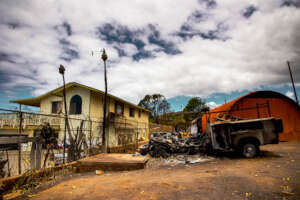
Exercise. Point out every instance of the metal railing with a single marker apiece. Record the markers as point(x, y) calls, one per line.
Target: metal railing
point(15, 123)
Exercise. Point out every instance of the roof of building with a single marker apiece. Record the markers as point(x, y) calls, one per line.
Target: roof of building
point(59, 92)
point(257, 94)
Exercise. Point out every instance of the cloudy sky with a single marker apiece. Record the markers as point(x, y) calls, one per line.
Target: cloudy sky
point(207, 48)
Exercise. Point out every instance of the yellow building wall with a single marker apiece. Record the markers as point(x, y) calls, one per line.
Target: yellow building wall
point(92, 109)
point(96, 106)
point(75, 120)
point(46, 104)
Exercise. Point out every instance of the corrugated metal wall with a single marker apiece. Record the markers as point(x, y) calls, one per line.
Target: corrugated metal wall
point(279, 107)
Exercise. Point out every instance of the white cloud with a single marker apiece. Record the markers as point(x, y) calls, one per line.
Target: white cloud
point(290, 94)
point(254, 52)
point(212, 104)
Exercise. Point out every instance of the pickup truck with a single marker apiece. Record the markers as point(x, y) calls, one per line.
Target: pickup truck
point(244, 136)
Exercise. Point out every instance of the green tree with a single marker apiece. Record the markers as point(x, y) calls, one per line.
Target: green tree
point(197, 105)
point(157, 103)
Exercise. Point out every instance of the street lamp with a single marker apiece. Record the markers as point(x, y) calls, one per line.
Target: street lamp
point(62, 72)
point(104, 148)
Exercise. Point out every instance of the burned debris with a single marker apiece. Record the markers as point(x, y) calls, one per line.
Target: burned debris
point(244, 136)
point(163, 144)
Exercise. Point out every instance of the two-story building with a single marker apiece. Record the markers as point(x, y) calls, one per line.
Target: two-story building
point(127, 122)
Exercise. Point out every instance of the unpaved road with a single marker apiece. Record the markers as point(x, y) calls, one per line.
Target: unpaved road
point(273, 175)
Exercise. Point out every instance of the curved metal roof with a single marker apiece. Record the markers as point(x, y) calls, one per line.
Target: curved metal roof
point(256, 94)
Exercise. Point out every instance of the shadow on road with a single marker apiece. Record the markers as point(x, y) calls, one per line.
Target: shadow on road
point(237, 155)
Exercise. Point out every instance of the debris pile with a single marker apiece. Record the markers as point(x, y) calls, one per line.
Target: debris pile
point(178, 159)
point(163, 144)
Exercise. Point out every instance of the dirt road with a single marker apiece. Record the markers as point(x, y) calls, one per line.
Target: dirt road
point(273, 175)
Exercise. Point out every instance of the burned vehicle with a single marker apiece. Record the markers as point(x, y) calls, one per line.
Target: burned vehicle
point(244, 136)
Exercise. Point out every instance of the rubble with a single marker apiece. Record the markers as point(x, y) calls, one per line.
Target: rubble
point(163, 144)
point(178, 159)
point(243, 136)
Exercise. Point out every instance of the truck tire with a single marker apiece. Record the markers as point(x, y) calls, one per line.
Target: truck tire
point(250, 150)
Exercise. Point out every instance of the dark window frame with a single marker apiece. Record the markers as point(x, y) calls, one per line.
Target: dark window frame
point(117, 103)
point(55, 107)
point(131, 112)
point(75, 105)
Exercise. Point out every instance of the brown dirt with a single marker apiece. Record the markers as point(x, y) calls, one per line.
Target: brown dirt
point(273, 175)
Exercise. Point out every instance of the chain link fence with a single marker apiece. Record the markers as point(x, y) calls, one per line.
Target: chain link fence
point(123, 135)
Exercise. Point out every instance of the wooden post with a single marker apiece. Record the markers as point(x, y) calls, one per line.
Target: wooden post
point(38, 154)
point(91, 125)
point(8, 168)
point(32, 156)
point(62, 72)
point(104, 147)
point(19, 144)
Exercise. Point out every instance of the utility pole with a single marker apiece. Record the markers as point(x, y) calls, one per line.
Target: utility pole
point(292, 80)
point(104, 146)
point(19, 144)
point(62, 72)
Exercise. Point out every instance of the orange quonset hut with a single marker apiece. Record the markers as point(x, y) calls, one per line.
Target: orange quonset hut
point(262, 104)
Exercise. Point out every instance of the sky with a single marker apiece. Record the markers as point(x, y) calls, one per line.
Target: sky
point(216, 50)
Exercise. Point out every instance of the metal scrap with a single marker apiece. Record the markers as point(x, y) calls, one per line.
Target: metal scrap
point(163, 144)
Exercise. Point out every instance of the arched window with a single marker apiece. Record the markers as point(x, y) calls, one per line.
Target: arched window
point(75, 105)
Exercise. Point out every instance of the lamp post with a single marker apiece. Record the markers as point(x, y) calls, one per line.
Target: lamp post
point(104, 147)
point(62, 72)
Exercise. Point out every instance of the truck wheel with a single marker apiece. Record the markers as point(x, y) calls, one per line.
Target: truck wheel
point(250, 150)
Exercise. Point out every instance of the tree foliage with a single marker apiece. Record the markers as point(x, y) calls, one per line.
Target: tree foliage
point(157, 103)
point(195, 104)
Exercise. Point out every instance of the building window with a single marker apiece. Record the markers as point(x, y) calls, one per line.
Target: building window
point(131, 112)
point(75, 105)
point(119, 108)
point(56, 107)
point(140, 113)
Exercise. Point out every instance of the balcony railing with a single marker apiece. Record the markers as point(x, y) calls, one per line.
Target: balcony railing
point(12, 120)
point(122, 122)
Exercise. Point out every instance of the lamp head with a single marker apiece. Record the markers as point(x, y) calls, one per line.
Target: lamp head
point(61, 69)
point(104, 56)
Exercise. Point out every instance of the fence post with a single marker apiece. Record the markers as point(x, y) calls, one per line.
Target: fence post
point(8, 168)
point(257, 108)
point(38, 154)
point(91, 123)
point(33, 156)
